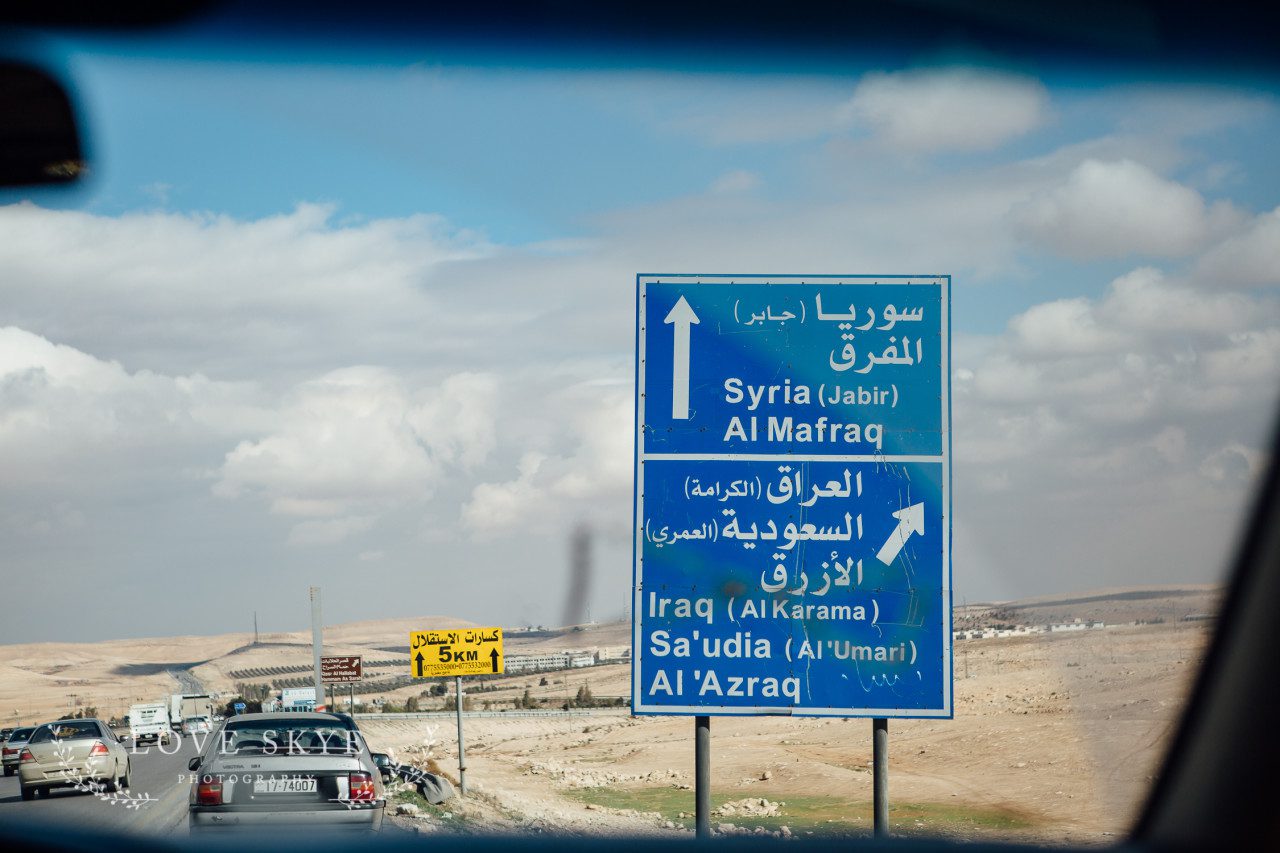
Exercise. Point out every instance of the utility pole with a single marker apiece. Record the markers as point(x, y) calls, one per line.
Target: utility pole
point(317, 643)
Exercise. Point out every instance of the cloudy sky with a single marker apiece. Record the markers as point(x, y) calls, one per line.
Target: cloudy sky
point(369, 324)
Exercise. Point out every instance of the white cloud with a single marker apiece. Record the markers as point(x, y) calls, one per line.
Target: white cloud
point(921, 110)
point(359, 442)
point(1250, 258)
point(458, 422)
point(1118, 208)
point(1154, 370)
point(215, 293)
point(331, 456)
point(66, 413)
point(590, 477)
point(1117, 437)
point(958, 109)
point(506, 506)
point(1145, 301)
point(1062, 327)
point(1251, 358)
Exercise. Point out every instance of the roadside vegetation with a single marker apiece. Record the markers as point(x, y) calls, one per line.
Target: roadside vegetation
point(813, 815)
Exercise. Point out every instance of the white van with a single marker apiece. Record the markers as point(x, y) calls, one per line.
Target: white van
point(149, 723)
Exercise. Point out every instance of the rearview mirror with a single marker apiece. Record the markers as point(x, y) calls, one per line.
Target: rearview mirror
point(39, 141)
point(194, 764)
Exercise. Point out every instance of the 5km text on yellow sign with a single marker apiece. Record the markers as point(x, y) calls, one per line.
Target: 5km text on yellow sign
point(467, 651)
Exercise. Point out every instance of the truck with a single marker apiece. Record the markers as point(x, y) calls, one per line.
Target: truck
point(185, 705)
point(298, 699)
point(149, 723)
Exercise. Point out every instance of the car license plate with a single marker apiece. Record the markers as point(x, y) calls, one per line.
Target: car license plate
point(288, 785)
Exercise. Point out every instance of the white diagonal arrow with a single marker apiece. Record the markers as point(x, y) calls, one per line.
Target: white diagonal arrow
point(910, 520)
point(683, 317)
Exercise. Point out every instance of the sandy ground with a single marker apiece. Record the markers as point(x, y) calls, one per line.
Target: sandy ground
point(1062, 733)
point(1056, 737)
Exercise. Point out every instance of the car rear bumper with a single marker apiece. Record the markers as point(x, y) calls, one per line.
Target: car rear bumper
point(52, 776)
point(225, 818)
point(65, 781)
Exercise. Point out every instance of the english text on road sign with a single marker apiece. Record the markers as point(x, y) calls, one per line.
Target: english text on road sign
point(467, 651)
point(340, 669)
point(793, 496)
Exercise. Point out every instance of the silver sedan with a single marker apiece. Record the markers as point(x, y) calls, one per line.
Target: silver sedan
point(84, 754)
point(11, 751)
point(264, 771)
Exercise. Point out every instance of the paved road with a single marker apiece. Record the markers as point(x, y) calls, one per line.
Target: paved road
point(163, 777)
point(187, 682)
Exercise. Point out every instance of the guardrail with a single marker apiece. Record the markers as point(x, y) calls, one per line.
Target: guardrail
point(432, 715)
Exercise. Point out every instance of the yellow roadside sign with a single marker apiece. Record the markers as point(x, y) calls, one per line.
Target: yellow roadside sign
point(465, 651)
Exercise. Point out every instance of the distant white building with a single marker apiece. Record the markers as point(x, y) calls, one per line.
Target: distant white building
point(993, 633)
point(1077, 625)
point(548, 661)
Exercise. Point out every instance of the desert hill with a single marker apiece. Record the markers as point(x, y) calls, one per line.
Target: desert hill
point(40, 681)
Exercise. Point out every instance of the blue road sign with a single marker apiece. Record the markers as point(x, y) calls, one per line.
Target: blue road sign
point(793, 496)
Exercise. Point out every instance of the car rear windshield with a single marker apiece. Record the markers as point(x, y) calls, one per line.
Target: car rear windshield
point(290, 738)
point(21, 734)
point(65, 731)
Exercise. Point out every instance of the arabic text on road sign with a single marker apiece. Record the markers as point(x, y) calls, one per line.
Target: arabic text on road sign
point(468, 651)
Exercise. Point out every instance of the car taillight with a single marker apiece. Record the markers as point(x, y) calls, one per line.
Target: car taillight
point(8, 751)
point(99, 748)
point(26, 756)
point(362, 789)
point(209, 792)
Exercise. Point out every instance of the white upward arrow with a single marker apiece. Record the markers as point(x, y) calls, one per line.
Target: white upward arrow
point(683, 317)
point(910, 520)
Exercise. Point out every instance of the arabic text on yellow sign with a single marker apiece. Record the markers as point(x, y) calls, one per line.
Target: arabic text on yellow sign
point(467, 651)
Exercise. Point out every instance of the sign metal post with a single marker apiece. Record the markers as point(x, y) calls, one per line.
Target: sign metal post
point(702, 776)
point(468, 651)
point(880, 777)
point(462, 749)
